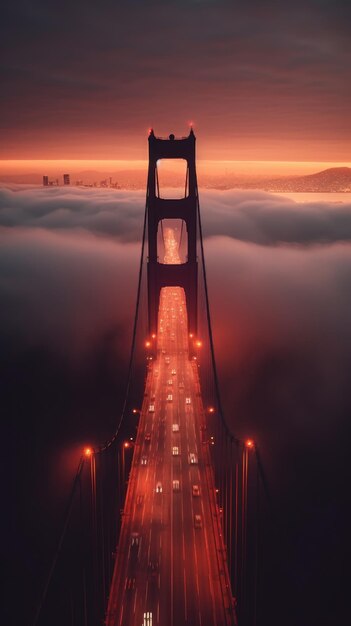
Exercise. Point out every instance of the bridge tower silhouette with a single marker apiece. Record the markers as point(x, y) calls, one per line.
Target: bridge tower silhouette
point(159, 274)
point(167, 512)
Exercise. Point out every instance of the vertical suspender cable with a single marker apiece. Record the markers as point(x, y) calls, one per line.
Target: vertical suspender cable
point(94, 534)
point(230, 547)
point(60, 542)
point(236, 526)
point(243, 527)
point(257, 547)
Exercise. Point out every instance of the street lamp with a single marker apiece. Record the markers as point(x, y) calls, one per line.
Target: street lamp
point(250, 444)
point(126, 445)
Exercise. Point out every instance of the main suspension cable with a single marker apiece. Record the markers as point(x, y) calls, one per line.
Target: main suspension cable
point(213, 359)
point(108, 443)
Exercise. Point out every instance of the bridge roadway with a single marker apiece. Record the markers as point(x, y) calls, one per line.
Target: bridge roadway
point(170, 568)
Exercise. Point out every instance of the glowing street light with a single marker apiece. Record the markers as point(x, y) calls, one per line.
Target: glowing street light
point(88, 452)
point(250, 444)
point(135, 411)
point(147, 344)
point(153, 335)
point(199, 344)
point(125, 446)
point(211, 409)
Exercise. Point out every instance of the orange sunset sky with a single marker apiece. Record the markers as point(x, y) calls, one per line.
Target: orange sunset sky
point(260, 81)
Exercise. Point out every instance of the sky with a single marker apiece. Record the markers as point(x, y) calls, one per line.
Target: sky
point(259, 81)
point(280, 294)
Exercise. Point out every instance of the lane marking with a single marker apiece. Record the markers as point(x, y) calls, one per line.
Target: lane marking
point(185, 598)
point(135, 599)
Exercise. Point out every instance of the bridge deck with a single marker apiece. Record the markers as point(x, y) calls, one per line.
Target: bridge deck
point(170, 568)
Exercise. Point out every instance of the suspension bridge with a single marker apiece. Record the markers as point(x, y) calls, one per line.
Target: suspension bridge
point(166, 522)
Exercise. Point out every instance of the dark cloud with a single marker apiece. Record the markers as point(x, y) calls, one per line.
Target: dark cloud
point(62, 290)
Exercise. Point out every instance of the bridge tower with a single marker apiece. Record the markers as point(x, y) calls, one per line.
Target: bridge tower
point(159, 274)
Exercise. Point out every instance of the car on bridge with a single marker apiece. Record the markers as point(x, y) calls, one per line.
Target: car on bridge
point(197, 521)
point(147, 619)
point(153, 567)
point(176, 485)
point(170, 382)
point(174, 372)
point(196, 491)
point(169, 397)
point(135, 541)
point(175, 428)
point(130, 584)
point(192, 458)
point(147, 437)
point(158, 487)
point(151, 408)
point(175, 451)
point(187, 400)
point(143, 460)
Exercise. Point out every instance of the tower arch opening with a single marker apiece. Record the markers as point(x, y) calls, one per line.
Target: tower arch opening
point(172, 242)
point(172, 180)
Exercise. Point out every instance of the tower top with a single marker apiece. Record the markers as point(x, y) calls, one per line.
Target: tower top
point(172, 147)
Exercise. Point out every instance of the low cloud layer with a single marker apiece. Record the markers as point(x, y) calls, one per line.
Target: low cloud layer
point(251, 216)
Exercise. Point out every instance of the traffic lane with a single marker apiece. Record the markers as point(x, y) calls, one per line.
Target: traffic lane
point(137, 607)
point(193, 474)
point(179, 602)
point(165, 570)
point(125, 571)
point(202, 560)
point(186, 551)
point(148, 592)
point(185, 608)
point(214, 563)
point(207, 596)
point(190, 564)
